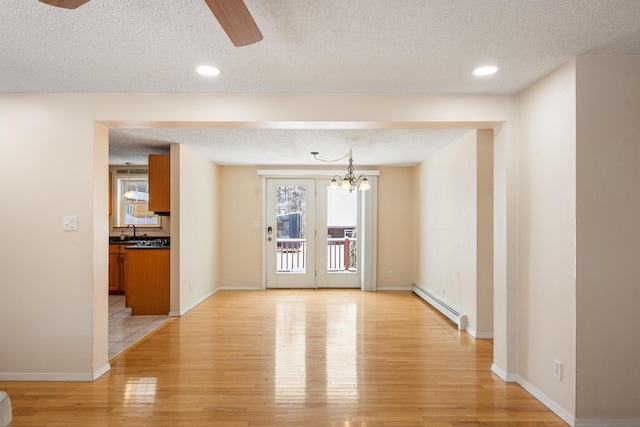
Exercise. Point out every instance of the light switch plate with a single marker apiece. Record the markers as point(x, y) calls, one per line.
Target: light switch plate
point(70, 223)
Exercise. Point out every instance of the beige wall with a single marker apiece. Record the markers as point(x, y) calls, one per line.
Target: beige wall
point(452, 184)
point(608, 236)
point(47, 276)
point(546, 303)
point(396, 228)
point(240, 210)
point(484, 241)
point(241, 242)
point(195, 239)
point(100, 319)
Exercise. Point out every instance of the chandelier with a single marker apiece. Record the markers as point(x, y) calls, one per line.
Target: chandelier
point(350, 181)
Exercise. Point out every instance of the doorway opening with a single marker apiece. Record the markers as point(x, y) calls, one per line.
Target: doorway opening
point(312, 235)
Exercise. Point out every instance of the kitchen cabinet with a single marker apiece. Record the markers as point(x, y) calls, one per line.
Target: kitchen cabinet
point(117, 269)
point(160, 183)
point(148, 280)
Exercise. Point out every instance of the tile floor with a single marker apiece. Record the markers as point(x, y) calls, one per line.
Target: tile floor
point(125, 329)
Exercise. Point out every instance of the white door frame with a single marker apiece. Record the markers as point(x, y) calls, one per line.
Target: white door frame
point(305, 278)
point(368, 239)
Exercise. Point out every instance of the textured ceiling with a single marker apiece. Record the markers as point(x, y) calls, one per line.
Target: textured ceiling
point(285, 146)
point(322, 46)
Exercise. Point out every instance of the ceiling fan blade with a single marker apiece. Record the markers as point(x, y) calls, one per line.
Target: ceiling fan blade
point(236, 21)
point(66, 4)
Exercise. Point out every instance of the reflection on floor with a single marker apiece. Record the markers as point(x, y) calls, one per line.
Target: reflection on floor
point(125, 329)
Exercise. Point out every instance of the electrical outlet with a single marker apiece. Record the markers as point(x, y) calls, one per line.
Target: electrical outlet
point(443, 292)
point(390, 273)
point(257, 273)
point(557, 370)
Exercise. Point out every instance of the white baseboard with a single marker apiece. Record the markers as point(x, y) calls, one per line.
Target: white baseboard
point(549, 403)
point(484, 335)
point(560, 411)
point(100, 372)
point(510, 378)
point(44, 376)
point(241, 288)
point(185, 310)
point(393, 288)
point(629, 422)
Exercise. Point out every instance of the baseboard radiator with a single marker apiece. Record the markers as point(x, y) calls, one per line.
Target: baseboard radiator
point(454, 315)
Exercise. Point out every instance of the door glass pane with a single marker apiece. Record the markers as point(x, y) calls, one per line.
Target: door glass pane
point(291, 226)
point(342, 235)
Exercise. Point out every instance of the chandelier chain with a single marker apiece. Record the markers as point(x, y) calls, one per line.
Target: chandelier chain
point(349, 181)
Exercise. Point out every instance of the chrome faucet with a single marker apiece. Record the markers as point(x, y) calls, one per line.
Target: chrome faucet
point(134, 230)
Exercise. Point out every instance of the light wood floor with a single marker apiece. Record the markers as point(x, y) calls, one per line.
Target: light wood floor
point(293, 358)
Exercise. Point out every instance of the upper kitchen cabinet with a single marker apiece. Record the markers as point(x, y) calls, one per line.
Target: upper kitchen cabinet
point(160, 183)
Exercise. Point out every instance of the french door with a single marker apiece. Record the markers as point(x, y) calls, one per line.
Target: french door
point(311, 235)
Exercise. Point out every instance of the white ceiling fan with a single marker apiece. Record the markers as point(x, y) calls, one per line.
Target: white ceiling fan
point(233, 16)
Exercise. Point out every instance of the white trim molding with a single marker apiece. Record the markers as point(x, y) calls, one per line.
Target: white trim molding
point(185, 310)
point(45, 376)
point(549, 403)
point(100, 372)
point(48, 376)
point(510, 378)
point(241, 288)
point(394, 288)
point(627, 422)
point(484, 335)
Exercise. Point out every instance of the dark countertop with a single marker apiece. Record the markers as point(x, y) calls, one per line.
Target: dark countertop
point(115, 240)
point(145, 242)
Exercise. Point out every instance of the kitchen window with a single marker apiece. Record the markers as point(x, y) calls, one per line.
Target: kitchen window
point(132, 198)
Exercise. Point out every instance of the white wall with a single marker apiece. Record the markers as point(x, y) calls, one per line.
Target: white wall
point(49, 153)
point(47, 282)
point(195, 239)
point(608, 237)
point(449, 248)
point(546, 284)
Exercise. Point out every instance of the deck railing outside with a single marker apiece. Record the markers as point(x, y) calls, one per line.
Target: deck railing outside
point(341, 254)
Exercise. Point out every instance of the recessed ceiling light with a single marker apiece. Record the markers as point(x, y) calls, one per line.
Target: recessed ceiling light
point(207, 70)
point(485, 71)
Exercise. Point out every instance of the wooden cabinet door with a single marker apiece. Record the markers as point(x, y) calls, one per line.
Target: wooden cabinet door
point(159, 183)
point(117, 269)
point(123, 270)
point(114, 272)
point(148, 281)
